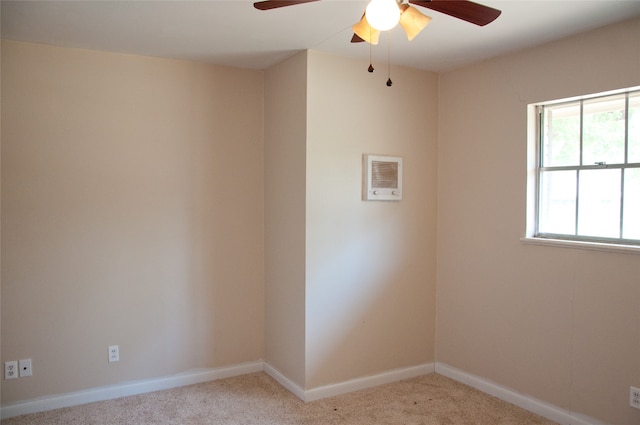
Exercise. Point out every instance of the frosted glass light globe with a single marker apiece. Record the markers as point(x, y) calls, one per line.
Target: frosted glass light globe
point(383, 14)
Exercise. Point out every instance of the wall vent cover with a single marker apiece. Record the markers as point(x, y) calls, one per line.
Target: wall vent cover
point(382, 178)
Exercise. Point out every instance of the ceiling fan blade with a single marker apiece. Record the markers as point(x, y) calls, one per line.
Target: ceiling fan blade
point(274, 4)
point(462, 9)
point(365, 32)
point(412, 20)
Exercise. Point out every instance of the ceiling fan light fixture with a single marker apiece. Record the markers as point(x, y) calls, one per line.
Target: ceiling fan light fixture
point(413, 21)
point(366, 32)
point(383, 15)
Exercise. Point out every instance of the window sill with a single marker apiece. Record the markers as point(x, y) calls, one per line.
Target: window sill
point(592, 246)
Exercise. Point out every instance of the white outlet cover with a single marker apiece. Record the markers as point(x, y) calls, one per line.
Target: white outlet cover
point(634, 397)
point(25, 368)
point(11, 369)
point(114, 353)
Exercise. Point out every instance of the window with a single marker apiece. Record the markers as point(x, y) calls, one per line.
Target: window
point(588, 173)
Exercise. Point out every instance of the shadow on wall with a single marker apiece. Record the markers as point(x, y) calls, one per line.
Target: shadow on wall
point(370, 305)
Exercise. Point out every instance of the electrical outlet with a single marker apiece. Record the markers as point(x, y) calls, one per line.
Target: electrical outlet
point(114, 353)
point(10, 369)
point(634, 397)
point(25, 368)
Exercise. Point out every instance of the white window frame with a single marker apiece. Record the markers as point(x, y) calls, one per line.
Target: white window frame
point(534, 152)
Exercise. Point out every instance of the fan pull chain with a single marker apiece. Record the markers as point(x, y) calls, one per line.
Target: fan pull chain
point(389, 82)
point(371, 68)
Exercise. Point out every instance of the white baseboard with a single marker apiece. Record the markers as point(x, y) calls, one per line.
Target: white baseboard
point(368, 382)
point(284, 381)
point(127, 389)
point(351, 385)
point(544, 409)
point(205, 375)
point(547, 410)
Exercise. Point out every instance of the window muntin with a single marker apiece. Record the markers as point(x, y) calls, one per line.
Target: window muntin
point(589, 169)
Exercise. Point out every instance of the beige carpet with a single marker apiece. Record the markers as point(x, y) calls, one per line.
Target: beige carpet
point(256, 399)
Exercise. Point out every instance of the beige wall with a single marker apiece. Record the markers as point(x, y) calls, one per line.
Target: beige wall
point(132, 214)
point(285, 189)
point(558, 324)
point(370, 275)
point(358, 296)
point(133, 190)
point(134, 210)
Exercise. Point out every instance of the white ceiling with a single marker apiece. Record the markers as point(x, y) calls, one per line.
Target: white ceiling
point(234, 33)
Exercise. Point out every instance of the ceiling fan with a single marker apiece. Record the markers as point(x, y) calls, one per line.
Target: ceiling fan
point(411, 19)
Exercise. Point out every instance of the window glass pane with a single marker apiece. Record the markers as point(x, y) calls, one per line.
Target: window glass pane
point(634, 128)
point(603, 128)
point(558, 202)
point(631, 214)
point(561, 138)
point(599, 207)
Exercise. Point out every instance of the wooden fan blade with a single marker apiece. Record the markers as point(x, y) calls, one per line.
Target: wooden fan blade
point(356, 39)
point(274, 4)
point(462, 9)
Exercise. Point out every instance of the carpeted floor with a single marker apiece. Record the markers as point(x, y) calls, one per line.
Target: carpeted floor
point(257, 399)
